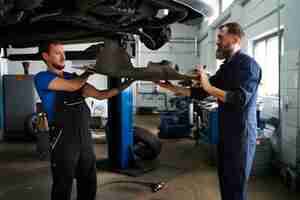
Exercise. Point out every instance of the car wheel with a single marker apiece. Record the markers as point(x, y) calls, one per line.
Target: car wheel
point(31, 125)
point(146, 145)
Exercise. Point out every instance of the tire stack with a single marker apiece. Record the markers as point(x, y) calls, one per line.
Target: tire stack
point(146, 145)
point(30, 125)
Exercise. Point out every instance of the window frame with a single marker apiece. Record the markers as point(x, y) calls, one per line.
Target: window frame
point(266, 38)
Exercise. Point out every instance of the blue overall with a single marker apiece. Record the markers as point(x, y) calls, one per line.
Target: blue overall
point(239, 77)
point(72, 152)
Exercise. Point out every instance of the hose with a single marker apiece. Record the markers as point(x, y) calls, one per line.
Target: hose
point(155, 187)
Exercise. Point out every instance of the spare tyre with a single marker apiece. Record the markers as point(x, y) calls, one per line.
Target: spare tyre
point(146, 145)
point(30, 125)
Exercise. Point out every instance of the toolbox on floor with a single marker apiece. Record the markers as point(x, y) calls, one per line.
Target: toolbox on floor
point(209, 132)
point(174, 125)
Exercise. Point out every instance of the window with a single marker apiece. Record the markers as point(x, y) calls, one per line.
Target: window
point(225, 4)
point(266, 54)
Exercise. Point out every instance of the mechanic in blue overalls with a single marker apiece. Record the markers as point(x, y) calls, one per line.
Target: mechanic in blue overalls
point(235, 86)
point(72, 151)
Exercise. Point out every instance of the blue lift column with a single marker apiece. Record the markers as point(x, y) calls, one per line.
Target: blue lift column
point(120, 129)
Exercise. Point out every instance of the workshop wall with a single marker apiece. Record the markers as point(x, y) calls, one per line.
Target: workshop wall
point(263, 18)
point(290, 85)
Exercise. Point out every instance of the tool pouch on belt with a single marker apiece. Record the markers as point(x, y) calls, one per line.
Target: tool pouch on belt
point(42, 145)
point(42, 122)
point(48, 134)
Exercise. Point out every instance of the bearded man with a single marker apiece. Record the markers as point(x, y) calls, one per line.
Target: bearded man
point(235, 86)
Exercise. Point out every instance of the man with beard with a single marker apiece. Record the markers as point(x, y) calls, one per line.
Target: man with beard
point(235, 86)
point(72, 152)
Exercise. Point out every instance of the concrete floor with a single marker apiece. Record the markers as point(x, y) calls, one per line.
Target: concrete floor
point(185, 168)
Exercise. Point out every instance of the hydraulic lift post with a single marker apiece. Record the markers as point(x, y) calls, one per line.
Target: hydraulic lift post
point(119, 133)
point(119, 129)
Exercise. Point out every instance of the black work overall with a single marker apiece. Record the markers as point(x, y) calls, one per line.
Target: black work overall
point(72, 154)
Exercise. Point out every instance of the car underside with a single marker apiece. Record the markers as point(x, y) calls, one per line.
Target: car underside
point(26, 23)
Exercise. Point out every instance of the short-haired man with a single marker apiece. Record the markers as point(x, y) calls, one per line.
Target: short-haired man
point(72, 152)
point(235, 86)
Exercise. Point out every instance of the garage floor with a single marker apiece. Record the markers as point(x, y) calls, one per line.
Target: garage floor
point(187, 169)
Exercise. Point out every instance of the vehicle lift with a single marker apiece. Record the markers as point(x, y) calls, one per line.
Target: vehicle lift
point(119, 135)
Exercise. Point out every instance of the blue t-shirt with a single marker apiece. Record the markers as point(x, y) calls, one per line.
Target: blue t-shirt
point(48, 97)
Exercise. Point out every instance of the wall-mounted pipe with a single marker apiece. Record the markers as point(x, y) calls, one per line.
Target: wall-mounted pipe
point(243, 2)
point(203, 36)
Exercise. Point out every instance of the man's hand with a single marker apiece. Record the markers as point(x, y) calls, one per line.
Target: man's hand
point(178, 91)
point(91, 91)
point(203, 78)
point(205, 84)
point(126, 84)
point(165, 84)
point(61, 84)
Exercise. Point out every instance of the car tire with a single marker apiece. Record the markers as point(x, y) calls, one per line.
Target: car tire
point(30, 125)
point(146, 145)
